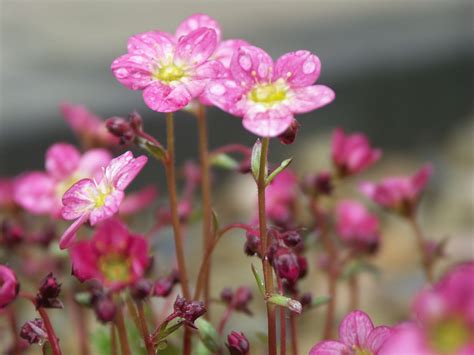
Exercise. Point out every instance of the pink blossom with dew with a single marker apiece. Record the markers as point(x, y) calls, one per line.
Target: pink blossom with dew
point(280, 197)
point(138, 201)
point(89, 127)
point(97, 200)
point(7, 192)
point(113, 256)
point(355, 225)
point(400, 193)
point(445, 318)
point(40, 192)
point(357, 335)
point(171, 71)
point(352, 154)
point(268, 94)
point(9, 286)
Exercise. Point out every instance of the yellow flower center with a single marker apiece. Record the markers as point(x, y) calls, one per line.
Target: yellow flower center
point(115, 267)
point(269, 94)
point(169, 73)
point(449, 335)
point(361, 351)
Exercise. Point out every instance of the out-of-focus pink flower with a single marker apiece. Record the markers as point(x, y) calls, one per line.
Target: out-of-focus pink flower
point(355, 225)
point(280, 197)
point(171, 70)
point(138, 201)
point(96, 201)
point(268, 94)
point(88, 127)
point(7, 193)
point(352, 154)
point(399, 193)
point(357, 335)
point(40, 192)
point(9, 286)
point(113, 256)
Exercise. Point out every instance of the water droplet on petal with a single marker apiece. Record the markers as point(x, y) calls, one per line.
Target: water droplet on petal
point(217, 89)
point(309, 66)
point(245, 62)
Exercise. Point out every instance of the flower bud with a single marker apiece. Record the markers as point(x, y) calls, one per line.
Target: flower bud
point(289, 136)
point(48, 293)
point(104, 307)
point(33, 331)
point(136, 122)
point(227, 295)
point(141, 289)
point(9, 286)
point(10, 234)
point(292, 239)
point(319, 184)
point(189, 311)
point(241, 299)
point(120, 128)
point(237, 344)
point(303, 266)
point(286, 265)
point(252, 245)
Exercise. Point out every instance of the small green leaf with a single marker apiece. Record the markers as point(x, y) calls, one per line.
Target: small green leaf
point(208, 335)
point(224, 161)
point(215, 223)
point(319, 301)
point(258, 279)
point(284, 164)
point(156, 151)
point(280, 300)
point(255, 160)
point(83, 298)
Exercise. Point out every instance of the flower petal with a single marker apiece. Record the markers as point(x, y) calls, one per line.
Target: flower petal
point(152, 45)
point(164, 98)
point(377, 337)
point(196, 21)
point(226, 49)
point(122, 170)
point(79, 199)
point(111, 236)
point(225, 94)
point(93, 161)
point(421, 178)
point(62, 160)
point(35, 192)
point(79, 117)
point(251, 65)
point(330, 347)
point(196, 47)
point(138, 250)
point(132, 71)
point(108, 209)
point(69, 234)
point(355, 328)
point(84, 261)
point(267, 122)
point(299, 69)
point(309, 98)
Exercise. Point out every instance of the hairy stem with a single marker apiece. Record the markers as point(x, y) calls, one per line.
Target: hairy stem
point(264, 239)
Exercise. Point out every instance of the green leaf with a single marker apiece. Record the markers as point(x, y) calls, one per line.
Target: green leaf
point(287, 302)
point(224, 161)
point(258, 279)
point(156, 151)
point(83, 298)
point(319, 301)
point(284, 164)
point(208, 335)
point(215, 223)
point(255, 160)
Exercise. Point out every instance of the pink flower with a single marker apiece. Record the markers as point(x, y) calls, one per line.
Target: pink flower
point(137, 201)
point(267, 94)
point(171, 70)
point(7, 193)
point(400, 193)
point(113, 256)
point(89, 127)
point(96, 201)
point(40, 192)
point(357, 335)
point(280, 197)
point(355, 225)
point(445, 318)
point(352, 153)
point(9, 286)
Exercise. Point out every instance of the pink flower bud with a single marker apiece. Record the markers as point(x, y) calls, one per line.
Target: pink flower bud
point(189, 311)
point(241, 299)
point(286, 265)
point(237, 344)
point(48, 293)
point(121, 129)
point(9, 286)
point(10, 234)
point(104, 307)
point(141, 289)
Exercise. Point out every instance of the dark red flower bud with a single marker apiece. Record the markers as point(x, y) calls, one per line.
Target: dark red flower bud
point(289, 136)
point(188, 311)
point(10, 234)
point(227, 295)
point(252, 245)
point(48, 293)
point(136, 122)
point(292, 239)
point(104, 307)
point(141, 289)
point(241, 299)
point(120, 128)
point(237, 344)
point(286, 265)
point(306, 299)
point(33, 331)
point(162, 287)
point(303, 265)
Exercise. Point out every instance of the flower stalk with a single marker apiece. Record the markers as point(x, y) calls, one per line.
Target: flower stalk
point(122, 331)
point(422, 247)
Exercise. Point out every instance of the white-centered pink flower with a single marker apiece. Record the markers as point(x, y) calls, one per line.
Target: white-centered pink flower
point(266, 94)
point(96, 200)
point(40, 192)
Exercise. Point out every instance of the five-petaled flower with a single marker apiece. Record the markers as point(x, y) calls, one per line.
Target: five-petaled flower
point(96, 201)
point(170, 69)
point(399, 193)
point(357, 335)
point(40, 192)
point(113, 256)
point(268, 94)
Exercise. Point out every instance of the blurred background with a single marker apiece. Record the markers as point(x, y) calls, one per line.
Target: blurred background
point(402, 72)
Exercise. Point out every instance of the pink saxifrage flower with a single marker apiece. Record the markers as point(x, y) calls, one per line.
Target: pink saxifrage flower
point(41, 192)
point(399, 193)
point(444, 318)
point(280, 197)
point(171, 70)
point(268, 94)
point(355, 225)
point(113, 256)
point(357, 335)
point(93, 200)
point(352, 154)
point(89, 127)
point(9, 286)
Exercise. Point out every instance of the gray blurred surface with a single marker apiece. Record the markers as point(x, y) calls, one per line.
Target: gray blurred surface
point(402, 70)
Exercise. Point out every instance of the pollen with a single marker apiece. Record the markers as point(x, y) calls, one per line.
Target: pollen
point(169, 73)
point(115, 267)
point(268, 94)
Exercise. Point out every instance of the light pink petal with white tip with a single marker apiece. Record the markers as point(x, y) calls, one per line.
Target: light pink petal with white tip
point(132, 71)
point(196, 47)
point(79, 199)
point(251, 65)
point(196, 21)
point(265, 122)
point(355, 328)
point(62, 160)
point(306, 99)
point(122, 170)
point(299, 69)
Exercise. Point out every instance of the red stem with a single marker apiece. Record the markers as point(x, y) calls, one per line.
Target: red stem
point(144, 328)
point(282, 322)
point(225, 318)
point(425, 258)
